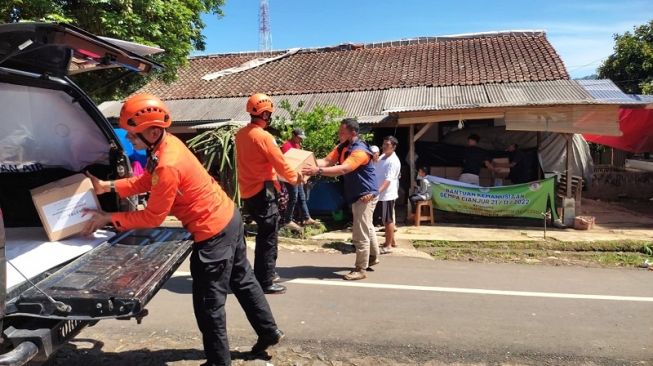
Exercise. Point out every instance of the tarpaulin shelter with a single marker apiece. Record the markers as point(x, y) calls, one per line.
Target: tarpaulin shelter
point(637, 128)
point(635, 117)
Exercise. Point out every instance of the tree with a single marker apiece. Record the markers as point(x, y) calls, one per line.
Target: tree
point(174, 25)
point(631, 64)
point(320, 126)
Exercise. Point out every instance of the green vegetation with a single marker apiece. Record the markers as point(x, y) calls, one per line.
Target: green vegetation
point(631, 64)
point(629, 253)
point(217, 151)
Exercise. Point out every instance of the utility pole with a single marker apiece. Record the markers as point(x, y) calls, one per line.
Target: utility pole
point(264, 36)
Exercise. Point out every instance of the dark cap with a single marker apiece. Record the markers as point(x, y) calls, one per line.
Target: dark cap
point(299, 133)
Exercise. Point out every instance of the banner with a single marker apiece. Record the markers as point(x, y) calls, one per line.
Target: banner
point(519, 200)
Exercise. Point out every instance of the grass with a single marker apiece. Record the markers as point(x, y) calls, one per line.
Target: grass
point(629, 253)
point(305, 233)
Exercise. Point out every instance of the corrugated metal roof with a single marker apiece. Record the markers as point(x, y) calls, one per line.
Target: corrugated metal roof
point(380, 103)
point(492, 95)
point(212, 125)
point(643, 98)
point(607, 91)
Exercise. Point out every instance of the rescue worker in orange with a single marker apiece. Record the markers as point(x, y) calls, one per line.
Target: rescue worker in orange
point(179, 185)
point(259, 159)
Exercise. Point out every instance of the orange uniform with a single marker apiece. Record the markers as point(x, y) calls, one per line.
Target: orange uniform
point(354, 160)
point(259, 159)
point(179, 185)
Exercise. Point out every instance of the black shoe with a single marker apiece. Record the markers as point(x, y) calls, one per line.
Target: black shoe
point(263, 343)
point(274, 288)
point(276, 277)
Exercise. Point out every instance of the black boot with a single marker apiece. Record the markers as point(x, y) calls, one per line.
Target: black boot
point(274, 288)
point(263, 343)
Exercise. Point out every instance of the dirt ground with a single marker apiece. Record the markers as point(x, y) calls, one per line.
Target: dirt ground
point(166, 349)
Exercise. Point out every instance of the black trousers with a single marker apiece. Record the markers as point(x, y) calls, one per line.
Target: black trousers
point(217, 264)
point(264, 209)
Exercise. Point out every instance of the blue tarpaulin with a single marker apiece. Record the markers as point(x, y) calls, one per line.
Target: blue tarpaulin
point(134, 155)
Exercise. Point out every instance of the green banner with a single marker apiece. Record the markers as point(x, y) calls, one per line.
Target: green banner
point(519, 200)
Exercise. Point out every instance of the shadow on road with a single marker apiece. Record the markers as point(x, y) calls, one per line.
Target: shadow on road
point(289, 273)
point(184, 284)
point(74, 353)
point(342, 247)
point(180, 285)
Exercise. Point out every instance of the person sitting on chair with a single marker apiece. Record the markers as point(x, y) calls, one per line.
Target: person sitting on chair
point(423, 189)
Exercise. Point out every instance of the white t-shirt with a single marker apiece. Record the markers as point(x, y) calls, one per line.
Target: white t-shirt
point(389, 168)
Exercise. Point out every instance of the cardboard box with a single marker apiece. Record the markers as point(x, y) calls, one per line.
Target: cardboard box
point(486, 182)
point(59, 205)
point(501, 167)
point(485, 173)
point(584, 222)
point(453, 172)
point(298, 159)
point(438, 171)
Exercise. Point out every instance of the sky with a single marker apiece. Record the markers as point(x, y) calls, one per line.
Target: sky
point(581, 31)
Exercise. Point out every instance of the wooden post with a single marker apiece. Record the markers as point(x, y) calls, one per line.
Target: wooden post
point(568, 170)
point(411, 154)
point(411, 165)
point(539, 168)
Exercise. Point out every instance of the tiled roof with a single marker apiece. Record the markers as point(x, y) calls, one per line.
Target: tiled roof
point(504, 57)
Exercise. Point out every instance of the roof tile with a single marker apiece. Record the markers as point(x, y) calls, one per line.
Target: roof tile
point(445, 61)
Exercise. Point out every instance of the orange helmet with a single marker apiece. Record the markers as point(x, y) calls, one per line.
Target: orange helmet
point(142, 111)
point(259, 103)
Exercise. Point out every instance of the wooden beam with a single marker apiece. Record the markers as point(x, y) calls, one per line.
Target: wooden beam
point(411, 158)
point(569, 151)
point(592, 119)
point(443, 116)
point(422, 131)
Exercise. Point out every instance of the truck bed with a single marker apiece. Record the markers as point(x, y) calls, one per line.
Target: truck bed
point(116, 279)
point(29, 250)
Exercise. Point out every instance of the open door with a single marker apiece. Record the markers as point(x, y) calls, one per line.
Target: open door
point(61, 50)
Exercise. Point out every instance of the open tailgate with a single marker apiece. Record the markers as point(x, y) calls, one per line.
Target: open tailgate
point(115, 280)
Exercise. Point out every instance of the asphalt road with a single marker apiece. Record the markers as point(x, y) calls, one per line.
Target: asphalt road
point(408, 311)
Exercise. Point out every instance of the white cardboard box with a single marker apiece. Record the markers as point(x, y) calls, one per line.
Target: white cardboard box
point(60, 204)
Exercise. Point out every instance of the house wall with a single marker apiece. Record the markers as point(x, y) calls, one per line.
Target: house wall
point(611, 184)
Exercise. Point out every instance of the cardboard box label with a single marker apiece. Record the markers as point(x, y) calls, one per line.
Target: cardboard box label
point(60, 203)
point(68, 211)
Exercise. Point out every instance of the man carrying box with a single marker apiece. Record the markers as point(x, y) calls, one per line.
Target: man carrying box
point(352, 159)
point(259, 159)
point(296, 194)
point(179, 185)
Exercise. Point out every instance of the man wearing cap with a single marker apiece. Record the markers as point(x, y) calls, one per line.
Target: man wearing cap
point(296, 194)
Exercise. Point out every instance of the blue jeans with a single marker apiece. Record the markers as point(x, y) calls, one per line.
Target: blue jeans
point(295, 194)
